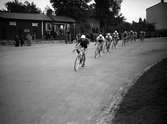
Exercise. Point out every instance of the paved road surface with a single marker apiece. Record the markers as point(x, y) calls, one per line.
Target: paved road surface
point(38, 84)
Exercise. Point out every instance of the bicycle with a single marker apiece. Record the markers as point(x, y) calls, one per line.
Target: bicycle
point(80, 59)
point(108, 44)
point(98, 50)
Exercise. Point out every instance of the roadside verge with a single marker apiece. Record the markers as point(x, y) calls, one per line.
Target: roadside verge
point(146, 101)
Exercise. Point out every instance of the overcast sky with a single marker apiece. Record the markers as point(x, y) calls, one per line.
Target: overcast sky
point(131, 9)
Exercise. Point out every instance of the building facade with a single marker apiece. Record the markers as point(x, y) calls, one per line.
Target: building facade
point(40, 26)
point(157, 15)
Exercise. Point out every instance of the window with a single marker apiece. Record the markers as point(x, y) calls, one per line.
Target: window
point(55, 28)
point(48, 27)
point(12, 23)
point(26, 30)
point(61, 27)
point(34, 24)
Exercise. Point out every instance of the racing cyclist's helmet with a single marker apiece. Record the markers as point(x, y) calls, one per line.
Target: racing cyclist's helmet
point(100, 36)
point(108, 34)
point(83, 36)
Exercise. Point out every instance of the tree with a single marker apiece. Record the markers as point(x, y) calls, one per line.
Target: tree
point(15, 6)
point(48, 11)
point(142, 25)
point(31, 7)
point(107, 12)
point(26, 7)
point(72, 8)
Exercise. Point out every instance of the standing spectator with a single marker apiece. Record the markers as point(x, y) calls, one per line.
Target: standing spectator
point(17, 40)
point(29, 39)
point(22, 39)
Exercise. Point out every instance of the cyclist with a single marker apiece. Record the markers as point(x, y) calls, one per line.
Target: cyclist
point(124, 38)
point(100, 41)
point(131, 35)
point(108, 41)
point(115, 39)
point(82, 45)
point(141, 35)
point(135, 36)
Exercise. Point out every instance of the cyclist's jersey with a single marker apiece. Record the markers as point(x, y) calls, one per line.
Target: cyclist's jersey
point(125, 34)
point(131, 33)
point(83, 43)
point(109, 38)
point(100, 39)
point(135, 33)
point(115, 35)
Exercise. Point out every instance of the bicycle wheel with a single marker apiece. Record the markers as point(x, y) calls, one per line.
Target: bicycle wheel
point(77, 63)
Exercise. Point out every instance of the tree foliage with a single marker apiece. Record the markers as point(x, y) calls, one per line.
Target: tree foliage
point(49, 11)
point(72, 8)
point(26, 7)
point(142, 25)
point(107, 12)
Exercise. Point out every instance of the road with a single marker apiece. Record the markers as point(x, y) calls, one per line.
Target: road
point(38, 84)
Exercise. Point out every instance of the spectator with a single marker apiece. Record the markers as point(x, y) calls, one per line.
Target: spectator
point(22, 40)
point(29, 39)
point(17, 41)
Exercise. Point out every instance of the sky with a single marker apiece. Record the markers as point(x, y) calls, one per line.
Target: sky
point(132, 10)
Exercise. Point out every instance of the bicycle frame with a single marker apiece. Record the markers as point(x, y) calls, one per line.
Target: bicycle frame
point(80, 59)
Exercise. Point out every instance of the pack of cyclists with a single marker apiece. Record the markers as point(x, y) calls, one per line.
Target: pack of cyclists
point(104, 42)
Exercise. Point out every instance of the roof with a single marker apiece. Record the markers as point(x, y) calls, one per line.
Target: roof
point(62, 19)
point(158, 4)
point(24, 16)
point(34, 16)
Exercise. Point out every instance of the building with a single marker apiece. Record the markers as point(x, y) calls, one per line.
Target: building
point(40, 26)
point(157, 15)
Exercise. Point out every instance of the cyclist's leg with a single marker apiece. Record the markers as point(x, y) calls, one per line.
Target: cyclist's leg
point(101, 47)
point(104, 46)
point(114, 43)
point(108, 46)
point(83, 57)
point(123, 42)
point(77, 61)
point(96, 50)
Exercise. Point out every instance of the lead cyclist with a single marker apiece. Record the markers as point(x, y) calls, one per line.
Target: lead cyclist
point(82, 45)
